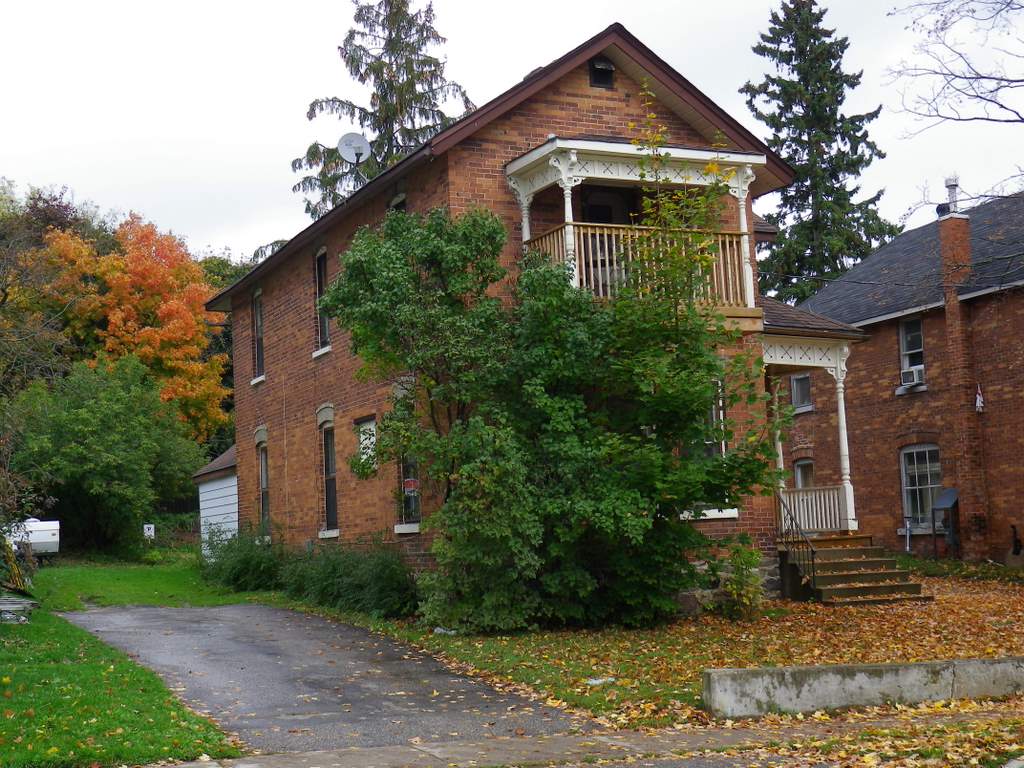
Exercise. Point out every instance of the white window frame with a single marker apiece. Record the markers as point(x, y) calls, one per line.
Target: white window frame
point(797, 465)
point(366, 433)
point(800, 407)
point(924, 524)
point(906, 351)
point(717, 413)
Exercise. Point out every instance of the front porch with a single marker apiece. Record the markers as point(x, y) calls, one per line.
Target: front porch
point(807, 509)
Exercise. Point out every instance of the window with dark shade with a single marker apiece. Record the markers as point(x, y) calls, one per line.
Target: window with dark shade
point(323, 337)
point(330, 480)
point(264, 477)
point(257, 335)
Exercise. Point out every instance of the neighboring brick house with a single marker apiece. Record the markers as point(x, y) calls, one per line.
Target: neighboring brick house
point(934, 393)
point(552, 157)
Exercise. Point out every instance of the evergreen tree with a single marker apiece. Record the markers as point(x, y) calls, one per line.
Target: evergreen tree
point(823, 232)
point(388, 49)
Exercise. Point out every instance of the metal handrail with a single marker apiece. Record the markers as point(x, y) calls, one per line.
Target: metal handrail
point(797, 543)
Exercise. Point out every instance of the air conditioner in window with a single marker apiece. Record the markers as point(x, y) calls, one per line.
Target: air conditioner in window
point(912, 376)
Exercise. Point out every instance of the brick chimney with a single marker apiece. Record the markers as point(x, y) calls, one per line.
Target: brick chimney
point(955, 261)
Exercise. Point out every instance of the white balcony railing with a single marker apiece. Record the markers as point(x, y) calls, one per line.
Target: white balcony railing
point(603, 253)
point(817, 510)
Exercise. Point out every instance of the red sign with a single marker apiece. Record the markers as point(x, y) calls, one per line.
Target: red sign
point(411, 486)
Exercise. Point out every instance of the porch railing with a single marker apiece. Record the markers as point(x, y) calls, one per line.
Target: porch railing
point(603, 253)
point(817, 509)
point(799, 547)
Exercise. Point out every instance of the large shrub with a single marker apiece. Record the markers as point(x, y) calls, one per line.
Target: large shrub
point(106, 448)
point(244, 562)
point(373, 581)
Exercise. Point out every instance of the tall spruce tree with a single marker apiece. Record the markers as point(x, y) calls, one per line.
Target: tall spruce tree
point(388, 49)
point(823, 232)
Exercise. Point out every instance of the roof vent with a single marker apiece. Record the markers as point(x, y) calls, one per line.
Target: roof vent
point(942, 209)
point(602, 72)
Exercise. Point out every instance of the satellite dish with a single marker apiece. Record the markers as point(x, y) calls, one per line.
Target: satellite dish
point(354, 148)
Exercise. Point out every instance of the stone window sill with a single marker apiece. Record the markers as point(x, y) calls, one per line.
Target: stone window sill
point(330, 533)
point(258, 380)
point(322, 351)
point(923, 530)
point(407, 528)
point(803, 409)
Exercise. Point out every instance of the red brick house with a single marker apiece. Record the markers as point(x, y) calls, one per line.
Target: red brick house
point(551, 156)
point(933, 397)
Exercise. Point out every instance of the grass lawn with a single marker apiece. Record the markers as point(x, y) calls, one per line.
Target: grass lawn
point(175, 583)
point(71, 700)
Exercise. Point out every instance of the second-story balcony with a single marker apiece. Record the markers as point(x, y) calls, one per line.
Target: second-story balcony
point(602, 255)
point(586, 191)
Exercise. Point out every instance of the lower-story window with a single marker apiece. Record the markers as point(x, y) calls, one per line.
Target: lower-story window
point(330, 481)
point(922, 482)
point(264, 477)
point(410, 510)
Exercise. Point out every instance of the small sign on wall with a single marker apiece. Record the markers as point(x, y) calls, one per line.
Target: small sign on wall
point(149, 530)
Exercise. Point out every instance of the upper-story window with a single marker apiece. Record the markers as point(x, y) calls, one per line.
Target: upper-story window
point(257, 336)
point(800, 392)
point(602, 72)
point(911, 352)
point(323, 325)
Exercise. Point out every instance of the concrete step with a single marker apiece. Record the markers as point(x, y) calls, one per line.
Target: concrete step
point(842, 591)
point(860, 564)
point(848, 553)
point(860, 577)
point(851, 540)
point(878, 600)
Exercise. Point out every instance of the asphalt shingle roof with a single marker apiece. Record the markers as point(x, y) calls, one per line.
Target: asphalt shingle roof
point(225, 461)
point(906, 273)
point(784, 318)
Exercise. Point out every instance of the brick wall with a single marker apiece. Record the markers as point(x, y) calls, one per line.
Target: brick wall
point(880, 423)
point(470, 175)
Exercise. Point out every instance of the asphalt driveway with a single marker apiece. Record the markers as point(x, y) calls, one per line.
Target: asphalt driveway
point(284, 681)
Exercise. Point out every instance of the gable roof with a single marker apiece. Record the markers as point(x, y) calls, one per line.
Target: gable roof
point(626, 52)
point(788, 320)
point(905, 274)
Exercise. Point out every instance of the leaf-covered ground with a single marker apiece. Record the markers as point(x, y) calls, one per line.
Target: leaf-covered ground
point(652, 677)
point(67, 699)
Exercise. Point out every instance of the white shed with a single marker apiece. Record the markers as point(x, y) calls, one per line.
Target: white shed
point(218, 496)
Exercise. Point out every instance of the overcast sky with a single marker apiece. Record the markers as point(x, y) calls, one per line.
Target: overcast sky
point(189, 112)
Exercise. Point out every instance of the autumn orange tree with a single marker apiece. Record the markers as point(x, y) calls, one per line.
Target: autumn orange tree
point(145, 298)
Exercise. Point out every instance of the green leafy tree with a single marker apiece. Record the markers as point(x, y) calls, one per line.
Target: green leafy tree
point(562, 437)
point(102, 443)
point(823, 232)
point(388, 50)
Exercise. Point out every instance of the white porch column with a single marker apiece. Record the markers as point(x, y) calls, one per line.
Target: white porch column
point(839, 373)
point(741, 185)
point(524, 199)
point(780, 459)
point(567, 164)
